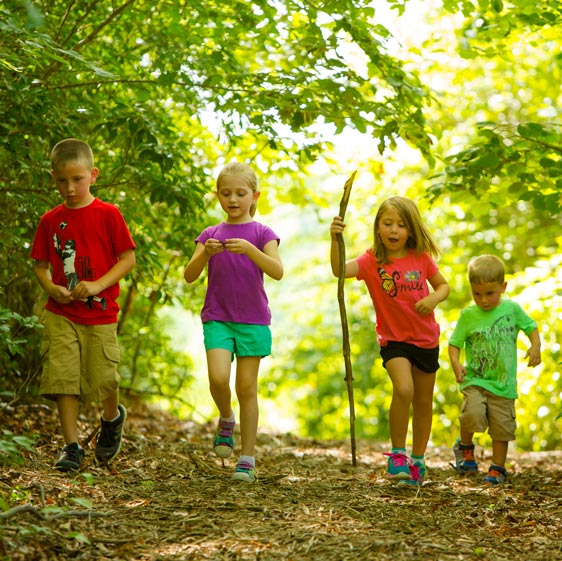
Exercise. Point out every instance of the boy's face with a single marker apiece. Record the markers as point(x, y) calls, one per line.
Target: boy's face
point(73, 180)
point(487, 295)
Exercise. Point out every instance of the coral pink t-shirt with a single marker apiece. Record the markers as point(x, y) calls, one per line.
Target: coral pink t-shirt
point(395, 287)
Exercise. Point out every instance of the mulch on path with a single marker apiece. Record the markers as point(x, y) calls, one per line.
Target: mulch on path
point(167, 497)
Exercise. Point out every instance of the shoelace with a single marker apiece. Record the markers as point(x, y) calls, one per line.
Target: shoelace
point(244, 466)
point(415, 474)
point(398, 459)
point(225, 429)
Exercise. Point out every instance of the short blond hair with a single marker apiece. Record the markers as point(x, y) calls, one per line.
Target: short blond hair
point(486, 268)
point(71, 150)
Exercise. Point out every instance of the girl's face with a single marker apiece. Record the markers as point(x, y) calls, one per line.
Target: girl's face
point(236, 198)
point(393, 233)
point(487, 295)
point(73, 181)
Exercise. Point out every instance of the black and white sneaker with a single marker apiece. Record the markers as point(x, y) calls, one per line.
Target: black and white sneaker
point(109, 439)
point(71, 458)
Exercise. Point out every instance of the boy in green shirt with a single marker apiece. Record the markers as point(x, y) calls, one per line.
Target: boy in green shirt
point(488, 332)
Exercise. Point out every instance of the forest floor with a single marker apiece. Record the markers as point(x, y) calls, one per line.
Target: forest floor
point(167, 497)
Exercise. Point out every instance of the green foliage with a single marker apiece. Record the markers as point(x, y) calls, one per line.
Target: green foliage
point(12, 446)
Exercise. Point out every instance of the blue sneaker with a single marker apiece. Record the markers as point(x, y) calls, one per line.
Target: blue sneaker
point(417, 475)
point(397, 467)
point(496, 476)
point(245, 471)
point(464, 458)
point(223, 442)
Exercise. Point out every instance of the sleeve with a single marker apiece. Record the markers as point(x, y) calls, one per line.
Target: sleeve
point(122, 237)
point(526, 323)
point(40, 247)
point(458, 336)
point(268, 235)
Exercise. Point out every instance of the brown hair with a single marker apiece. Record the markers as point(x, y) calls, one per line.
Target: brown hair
point(71, 150)
point(419, 238)
point(486, 268)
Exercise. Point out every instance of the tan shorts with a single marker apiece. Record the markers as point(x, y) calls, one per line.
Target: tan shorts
point(78, 359)
point(483, 410)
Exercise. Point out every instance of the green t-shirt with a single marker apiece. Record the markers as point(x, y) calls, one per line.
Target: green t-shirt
point(490, 342)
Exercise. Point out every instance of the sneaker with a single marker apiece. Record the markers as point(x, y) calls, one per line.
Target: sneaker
point(245, 471)
point(71, 458)
point(417, 475)
point(223, 442)
point(109, 439)
point(464, 458)
point(397, 467)
point(496, 476)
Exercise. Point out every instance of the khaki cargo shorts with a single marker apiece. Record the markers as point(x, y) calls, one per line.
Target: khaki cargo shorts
point(483, 410)
point(78, 359)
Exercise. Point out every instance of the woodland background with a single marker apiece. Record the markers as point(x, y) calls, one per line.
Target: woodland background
point(453, 103)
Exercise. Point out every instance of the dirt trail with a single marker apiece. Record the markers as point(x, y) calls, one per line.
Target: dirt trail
point(167, 497)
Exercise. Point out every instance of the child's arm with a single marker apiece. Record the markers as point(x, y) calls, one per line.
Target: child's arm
point(267, 260)
point(458, 368)
point(197, 263)
point(534, 353)
point(440, 292)
point(42, 272)
point(124, 265)
point(351, 266)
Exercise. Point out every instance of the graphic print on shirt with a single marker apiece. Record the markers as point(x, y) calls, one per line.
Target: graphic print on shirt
point(490, 349)
point(389, 282)
point(67, 253)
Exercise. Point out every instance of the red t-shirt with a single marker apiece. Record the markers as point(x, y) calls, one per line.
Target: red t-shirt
point(83, 244)
point(395, 288)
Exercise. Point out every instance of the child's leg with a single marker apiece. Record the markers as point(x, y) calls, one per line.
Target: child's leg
point(499, 452)
point(110, 406)
point(422, 410)
point(67, 406)
point(247, 391)
point(400, 372)
point(218, 366)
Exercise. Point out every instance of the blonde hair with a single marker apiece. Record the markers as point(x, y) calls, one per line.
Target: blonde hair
point(239, 169)
point(419, 237)
point(71, 150)
point(486, 268)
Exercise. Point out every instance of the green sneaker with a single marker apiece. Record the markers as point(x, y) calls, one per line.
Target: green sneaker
point(223, 443)
point(245, 471)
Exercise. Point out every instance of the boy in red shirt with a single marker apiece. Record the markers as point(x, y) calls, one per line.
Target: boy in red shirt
point(81, 250)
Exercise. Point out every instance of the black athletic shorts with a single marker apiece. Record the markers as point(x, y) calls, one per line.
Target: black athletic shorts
point(427, 360)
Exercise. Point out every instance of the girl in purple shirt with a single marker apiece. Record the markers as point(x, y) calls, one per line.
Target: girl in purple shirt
point(236, 314)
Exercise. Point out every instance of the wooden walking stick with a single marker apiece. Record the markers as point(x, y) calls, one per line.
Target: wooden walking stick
point(343, 316)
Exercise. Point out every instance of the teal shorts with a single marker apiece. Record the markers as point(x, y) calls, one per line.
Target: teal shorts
point(241, 339)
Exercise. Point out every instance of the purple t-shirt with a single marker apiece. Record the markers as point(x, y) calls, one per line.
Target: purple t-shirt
point(235, 290)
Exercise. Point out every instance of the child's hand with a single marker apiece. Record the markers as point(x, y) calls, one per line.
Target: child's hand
point(460, 372)
point(84, 289)
point(426, 305)
point(60, 294)
point(237, 245)
point(534, 356)
point(213, 246)
point(337, 226)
